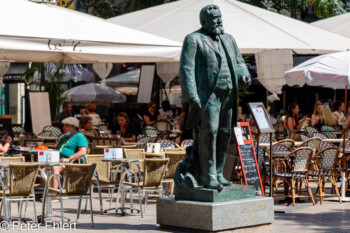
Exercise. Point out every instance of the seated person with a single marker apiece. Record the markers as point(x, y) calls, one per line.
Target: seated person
point(72, 146)
point(7, 139)
point(240, 117)
point(165, 112)
point(127, 129)
point(151, 115)
point(339, 108)
point(91, 112)
point(317, 115)
point(87, 128)
point(327, 118)
point(291, 123)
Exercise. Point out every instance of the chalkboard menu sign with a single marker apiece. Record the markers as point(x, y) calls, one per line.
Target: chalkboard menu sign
point(247, 156)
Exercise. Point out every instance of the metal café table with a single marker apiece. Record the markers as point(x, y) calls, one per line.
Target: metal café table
point(124, 161)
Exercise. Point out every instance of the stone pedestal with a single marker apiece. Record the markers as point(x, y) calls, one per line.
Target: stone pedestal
point(209, 216)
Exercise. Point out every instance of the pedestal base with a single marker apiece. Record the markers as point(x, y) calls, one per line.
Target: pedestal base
point(229, 193)
point(204, 216)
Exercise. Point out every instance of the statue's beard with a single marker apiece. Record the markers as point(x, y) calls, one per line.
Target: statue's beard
point(215, 29)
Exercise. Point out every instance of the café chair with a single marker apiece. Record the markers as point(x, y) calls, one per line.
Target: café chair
point(164, 127)
point(323, 145)
point(167, 144)
point(174, 159)
point(20, 188)
point(15, 159)
point(294, 168)
point(173, 149)
point(310, 131)
point(287, 142)
point(304, 137)
point(319, 135)
point(154, 171)
point(101, 178)
point(186, 143)
point(78, 180)
point(326, 167)
point(311, 142)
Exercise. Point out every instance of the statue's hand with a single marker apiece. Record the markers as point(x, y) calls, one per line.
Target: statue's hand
point(247, 80)
point(195, 103)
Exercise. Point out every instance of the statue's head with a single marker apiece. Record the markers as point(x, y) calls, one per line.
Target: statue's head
point(210, 18)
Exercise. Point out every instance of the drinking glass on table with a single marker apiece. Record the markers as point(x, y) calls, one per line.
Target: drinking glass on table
point(118, 133)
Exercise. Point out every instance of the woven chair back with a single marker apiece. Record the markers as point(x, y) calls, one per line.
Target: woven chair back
point(78, 178)
point(167, 144)
point(302, 158)
point(186, 143)
point(19, 159)
point(154, 171)
point(102, 168)
point(22, 178)
point(320, 135)
point(328, 158)
point(174, 159)
point(135, 154)
point(163, 126)
point(323, 145)
point(347, 145)
point(311, 130)
point(286, 142)
point(304, 137)
point(173, 149)
point(311, 142)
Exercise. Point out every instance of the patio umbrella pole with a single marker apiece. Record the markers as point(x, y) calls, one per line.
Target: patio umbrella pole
point(344, 161)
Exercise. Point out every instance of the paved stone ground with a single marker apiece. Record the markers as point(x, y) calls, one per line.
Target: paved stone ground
point(328, 217)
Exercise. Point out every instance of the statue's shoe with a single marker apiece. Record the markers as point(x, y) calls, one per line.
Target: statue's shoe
point(213, 184)
point(223, 181)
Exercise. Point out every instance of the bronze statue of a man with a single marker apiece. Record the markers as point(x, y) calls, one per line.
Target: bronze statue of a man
point(210, 67)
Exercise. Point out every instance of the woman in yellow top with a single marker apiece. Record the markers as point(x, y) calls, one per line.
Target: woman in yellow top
point(291, 123)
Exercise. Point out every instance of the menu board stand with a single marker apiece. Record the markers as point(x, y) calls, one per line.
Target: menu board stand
point(249, 163)
point(264, 126)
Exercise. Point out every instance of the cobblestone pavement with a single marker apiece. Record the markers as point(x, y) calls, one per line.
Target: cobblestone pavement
point(328, 217)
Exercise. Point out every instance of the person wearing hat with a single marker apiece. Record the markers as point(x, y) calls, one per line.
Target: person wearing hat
point(72, 146)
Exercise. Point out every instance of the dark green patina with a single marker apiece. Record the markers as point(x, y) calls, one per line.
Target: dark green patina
point(210, 68)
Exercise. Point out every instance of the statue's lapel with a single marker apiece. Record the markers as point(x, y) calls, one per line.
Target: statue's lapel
point(210, 43)
point(229, 48)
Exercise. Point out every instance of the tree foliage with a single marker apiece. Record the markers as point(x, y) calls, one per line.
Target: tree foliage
point(100, 8)
point(322, 8)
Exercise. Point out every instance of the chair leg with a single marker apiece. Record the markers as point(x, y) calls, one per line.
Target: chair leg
point(25, 208)
point(334, 183)
point(309, 190)
point(100, 197)
point(6, 210)
point(79, 207)
point(320, 189)
point(20, 203)
point(140, 201)
point(146, 200)
point(91, 212)
point(62, 217)
point(131, 201)
point(118, 197)
point(34, 206)
point(111, 197)
point(172, 190)
point(293, 191)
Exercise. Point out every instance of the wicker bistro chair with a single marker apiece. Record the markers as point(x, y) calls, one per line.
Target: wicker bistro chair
point(327, 164)
point(294, 168)
point(17, 159)
point(311, 130)
point(287, 142)
point(311, 142)
point(167, 144)
point(173, 149)
point(304, 137)
point(319, 135)
point(186, 143)
point(78, 180)
point(164, 128)
point(154, 171)
point(21, 187)
point(101, 178)
point(174, 159)
point(323, 145)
